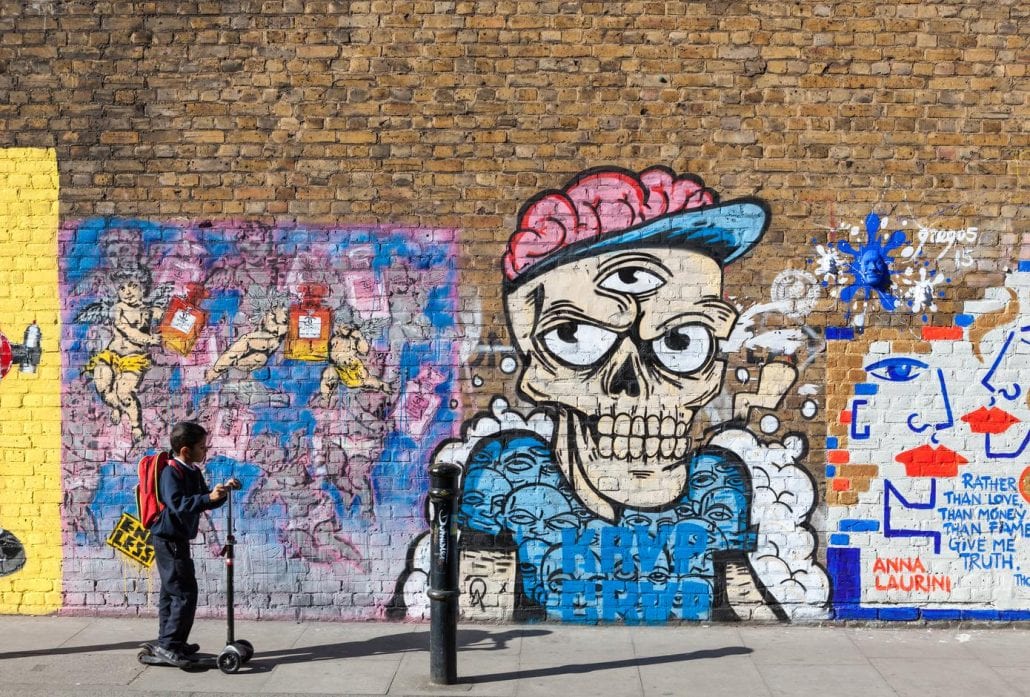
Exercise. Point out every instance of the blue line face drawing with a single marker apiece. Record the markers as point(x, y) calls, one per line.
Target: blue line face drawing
point(871, 264)
point(1005, 419)
point(888, 377)
point(905, 412)
point(1000, 381)
point(538, 512)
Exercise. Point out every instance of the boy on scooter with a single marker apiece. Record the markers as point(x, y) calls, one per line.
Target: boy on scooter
point(185, 495)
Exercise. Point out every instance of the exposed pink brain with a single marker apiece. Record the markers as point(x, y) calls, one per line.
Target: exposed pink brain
point(601, 202)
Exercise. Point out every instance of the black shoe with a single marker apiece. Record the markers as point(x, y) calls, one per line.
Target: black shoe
point(190, 649)
point(172, 658)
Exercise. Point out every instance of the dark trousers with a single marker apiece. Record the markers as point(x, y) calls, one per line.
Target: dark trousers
point(178, 602)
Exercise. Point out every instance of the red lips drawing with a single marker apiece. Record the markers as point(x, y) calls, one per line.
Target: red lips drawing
point(927, 461)
point(993, 420)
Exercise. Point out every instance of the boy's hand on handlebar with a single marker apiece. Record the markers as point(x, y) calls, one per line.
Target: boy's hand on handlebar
point(220, 491)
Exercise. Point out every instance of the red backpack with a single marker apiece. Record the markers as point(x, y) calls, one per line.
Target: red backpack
point(148, 503)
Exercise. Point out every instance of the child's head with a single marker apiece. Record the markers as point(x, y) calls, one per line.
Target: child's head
point(132, 283)
point(189, 441)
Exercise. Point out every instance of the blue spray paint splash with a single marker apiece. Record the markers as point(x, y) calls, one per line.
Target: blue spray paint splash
point(871, 266)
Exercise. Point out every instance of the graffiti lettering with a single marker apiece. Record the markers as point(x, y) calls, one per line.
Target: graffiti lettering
point(949, 237)
point(442, 523)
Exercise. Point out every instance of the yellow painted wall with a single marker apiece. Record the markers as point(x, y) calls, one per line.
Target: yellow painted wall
point(30, 404)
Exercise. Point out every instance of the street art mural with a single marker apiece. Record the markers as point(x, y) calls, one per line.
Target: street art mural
point(603, 504)
point(668, 428)
point(929, 498)
point(322, 360)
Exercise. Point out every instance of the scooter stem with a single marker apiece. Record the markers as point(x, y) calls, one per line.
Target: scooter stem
point(229, 553)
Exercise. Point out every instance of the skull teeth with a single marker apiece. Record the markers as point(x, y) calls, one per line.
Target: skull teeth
point(626, 437)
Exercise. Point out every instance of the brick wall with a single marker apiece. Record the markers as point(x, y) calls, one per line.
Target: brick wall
point(445, 187)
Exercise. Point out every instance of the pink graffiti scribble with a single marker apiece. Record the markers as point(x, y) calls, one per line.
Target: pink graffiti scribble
point(419, 403)
point(365, 295)
point(597, 203)
point(310, 529)
point(179, 263)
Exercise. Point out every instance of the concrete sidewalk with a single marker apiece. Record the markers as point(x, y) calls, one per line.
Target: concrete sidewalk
point(87, 657)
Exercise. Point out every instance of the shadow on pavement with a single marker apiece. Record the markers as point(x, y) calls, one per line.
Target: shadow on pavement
point(576, 668)
point(64, 650)
point(468, 640)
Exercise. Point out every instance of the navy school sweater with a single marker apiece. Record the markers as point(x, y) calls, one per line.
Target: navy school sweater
point(186, 495)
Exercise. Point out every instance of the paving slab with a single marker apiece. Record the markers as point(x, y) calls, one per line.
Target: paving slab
point(942, 677)
point(1016, 677)
point(714, 672)
point(847, 680)
point(801, 645)
point(96, 657)
point(365, 676)
point(650, 641)
point(996, 648)
point(911, 642)
point(21, 634)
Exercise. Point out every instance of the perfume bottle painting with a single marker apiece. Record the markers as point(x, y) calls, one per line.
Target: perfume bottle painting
point(419, 402)
point(184, 320)
point(311, 324)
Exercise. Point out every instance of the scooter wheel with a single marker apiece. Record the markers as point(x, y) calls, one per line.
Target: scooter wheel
point(229, 661)
point(247, 649)
point(142, 656)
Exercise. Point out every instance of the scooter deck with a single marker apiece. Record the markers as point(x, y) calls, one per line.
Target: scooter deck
point(147, 657)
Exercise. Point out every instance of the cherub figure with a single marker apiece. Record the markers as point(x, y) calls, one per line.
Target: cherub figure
point(252, 350)
point(347, 346)
point(309, 529)
point(408, 291)
point(118, 369)
point(255, 263)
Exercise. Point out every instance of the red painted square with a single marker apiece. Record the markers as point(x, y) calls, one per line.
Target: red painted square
point(845, 416)
point(838, 457)
point(841, 484)
point(942, 333)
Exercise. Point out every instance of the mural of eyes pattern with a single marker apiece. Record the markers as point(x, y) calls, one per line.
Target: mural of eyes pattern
point(320, 359)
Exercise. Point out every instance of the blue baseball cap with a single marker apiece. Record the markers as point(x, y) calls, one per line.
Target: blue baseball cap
point(723, 231)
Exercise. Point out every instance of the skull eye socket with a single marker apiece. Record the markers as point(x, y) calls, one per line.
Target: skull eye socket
point(633, 280)
point(684, 349)
point(578, 343)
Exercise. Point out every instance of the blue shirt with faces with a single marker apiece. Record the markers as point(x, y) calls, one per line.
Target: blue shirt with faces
point(645, 566)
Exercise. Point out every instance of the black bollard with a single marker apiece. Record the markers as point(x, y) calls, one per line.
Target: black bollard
point(443, 575)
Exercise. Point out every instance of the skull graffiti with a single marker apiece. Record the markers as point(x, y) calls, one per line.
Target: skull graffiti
point(624, 346)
